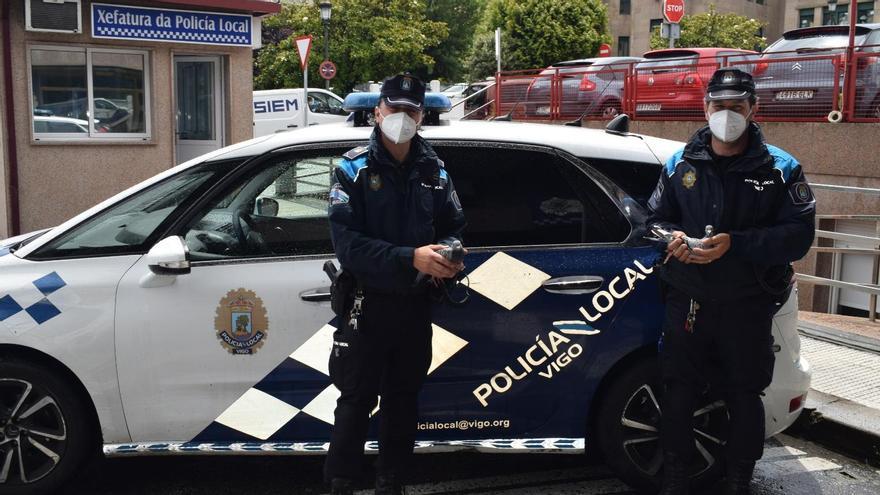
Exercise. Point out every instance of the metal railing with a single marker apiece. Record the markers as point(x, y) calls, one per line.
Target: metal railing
point(791, 87)
point(867, 246)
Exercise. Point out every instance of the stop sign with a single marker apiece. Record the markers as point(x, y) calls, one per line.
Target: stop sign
point(604, 50)
point(673, 10)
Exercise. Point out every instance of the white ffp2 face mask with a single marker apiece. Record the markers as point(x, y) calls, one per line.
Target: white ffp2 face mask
point(398, 127)
point(727, 125)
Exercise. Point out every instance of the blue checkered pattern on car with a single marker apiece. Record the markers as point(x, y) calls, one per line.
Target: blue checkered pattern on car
point(42, 310)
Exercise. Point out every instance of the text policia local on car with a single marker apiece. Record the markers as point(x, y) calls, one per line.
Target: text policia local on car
point(549, 355)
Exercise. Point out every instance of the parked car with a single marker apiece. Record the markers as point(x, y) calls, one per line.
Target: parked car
point(802, 73)
point(592, 87)
point(190, 313)
point(481, 106)
point(454, 91)
point(672, 82)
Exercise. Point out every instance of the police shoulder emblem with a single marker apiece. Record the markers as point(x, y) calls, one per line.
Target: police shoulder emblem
point(241, 322)
point(689, 179)
point(375, 182)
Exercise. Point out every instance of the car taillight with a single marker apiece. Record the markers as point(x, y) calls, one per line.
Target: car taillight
point(689, 80)
point(587, 84)
point(760, 68)
point(796, 403)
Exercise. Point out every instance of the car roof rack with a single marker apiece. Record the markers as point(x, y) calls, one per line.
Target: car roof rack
point(362, 104)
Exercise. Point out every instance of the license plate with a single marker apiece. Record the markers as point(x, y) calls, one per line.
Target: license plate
point(795, 95)
point(648, 107)
point(542, 110)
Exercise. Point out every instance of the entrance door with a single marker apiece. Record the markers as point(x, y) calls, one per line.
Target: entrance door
point(199, 105)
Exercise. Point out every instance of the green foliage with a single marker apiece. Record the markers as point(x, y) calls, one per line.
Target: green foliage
point(369, 40)
point(461, 18)
point(711, 29)
point(538, 33)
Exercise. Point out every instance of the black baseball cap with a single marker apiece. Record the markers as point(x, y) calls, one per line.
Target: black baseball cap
point(403, 90)
point(729, 83)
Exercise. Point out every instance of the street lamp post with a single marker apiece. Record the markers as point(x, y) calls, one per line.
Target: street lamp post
point(326, 6)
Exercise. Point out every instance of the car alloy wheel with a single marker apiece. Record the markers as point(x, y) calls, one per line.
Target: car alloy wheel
point(626, 427)
point(33, 433)
point(641, 422)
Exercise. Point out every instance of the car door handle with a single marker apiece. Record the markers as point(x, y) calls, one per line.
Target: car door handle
point(578, 284)
point(316, 295)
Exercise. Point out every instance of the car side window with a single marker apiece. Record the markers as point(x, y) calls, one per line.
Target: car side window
point(515, 197)
point(132, 225)
point(318, 103)
point(279, 208)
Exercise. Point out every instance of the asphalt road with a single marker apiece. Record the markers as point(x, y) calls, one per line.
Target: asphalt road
point(790, 466)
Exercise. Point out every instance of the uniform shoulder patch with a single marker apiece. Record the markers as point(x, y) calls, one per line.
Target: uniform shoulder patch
point(353, 167)
point(355, 152)
point(800, 193)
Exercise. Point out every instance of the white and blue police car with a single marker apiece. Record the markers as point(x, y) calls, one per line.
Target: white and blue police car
point(189, 314)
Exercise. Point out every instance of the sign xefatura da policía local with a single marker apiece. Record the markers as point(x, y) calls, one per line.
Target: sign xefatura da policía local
point(177, 26)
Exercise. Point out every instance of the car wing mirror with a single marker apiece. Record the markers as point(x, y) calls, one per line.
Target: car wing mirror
point(267, 207)
point(170, 256)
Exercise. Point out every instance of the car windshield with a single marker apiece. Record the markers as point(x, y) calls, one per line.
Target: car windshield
point(830, 43)
point(672, 60)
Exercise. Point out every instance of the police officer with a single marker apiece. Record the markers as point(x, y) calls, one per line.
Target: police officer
point(392, 207)
point(721, 297)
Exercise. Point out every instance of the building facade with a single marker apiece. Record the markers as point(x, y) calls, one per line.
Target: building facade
point(632, 21)
point(99, 96)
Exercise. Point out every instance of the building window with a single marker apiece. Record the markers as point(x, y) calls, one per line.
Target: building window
point(759, 2)
point(623, 46)
point(655, 25)
point(840, 16)
point(806, 17)
point(625, 7)
point(89, 93)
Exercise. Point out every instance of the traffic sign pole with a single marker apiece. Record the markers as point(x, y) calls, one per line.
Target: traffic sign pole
point(673, 12)
point(304, 47)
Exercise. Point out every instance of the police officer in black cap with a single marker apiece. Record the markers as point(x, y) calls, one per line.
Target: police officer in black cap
point(750, 205)
point(392, 207)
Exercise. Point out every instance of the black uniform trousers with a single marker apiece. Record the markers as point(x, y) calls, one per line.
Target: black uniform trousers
point(730, 349)
point(388, 355)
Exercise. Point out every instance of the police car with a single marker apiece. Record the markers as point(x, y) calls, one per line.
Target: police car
point(189, 314)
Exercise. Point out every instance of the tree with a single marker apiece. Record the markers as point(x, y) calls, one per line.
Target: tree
point(711, 29)
point(369, 39)
point(461, 18)
point(538, 33)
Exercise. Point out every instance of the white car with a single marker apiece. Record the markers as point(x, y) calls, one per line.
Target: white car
point(189, 314)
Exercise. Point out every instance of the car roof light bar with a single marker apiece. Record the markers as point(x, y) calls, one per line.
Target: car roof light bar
point(362, 105)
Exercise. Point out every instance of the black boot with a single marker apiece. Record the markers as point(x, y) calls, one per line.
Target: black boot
point(341, 486)
point(739, 478)
point(388, 484)
point(676, 480)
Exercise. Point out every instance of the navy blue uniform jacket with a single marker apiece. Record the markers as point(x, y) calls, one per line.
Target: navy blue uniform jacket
point(381, 211)
point(761, 199)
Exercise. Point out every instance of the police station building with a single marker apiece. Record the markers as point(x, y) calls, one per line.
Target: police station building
point(97, 96)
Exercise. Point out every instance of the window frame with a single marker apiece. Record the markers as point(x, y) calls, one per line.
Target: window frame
point(614, 194)
point(93, 135)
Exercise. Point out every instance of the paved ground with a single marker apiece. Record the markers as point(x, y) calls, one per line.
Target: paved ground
point(790, 466)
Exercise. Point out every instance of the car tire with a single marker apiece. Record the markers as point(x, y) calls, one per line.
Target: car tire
point(628, 424)
point(44, 421)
